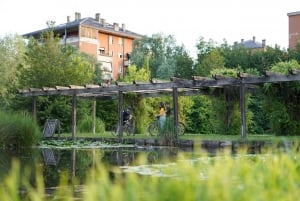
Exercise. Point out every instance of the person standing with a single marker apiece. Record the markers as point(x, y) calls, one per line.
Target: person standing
point(162, 114)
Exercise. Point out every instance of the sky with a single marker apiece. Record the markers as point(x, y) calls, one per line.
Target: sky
point(187, 20)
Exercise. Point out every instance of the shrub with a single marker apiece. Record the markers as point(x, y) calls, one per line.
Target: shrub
point(18, 130)
point(85, 125)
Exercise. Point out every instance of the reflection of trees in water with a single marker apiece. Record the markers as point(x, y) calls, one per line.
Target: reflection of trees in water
point(161, 155)
point(123, 156)
point(27, 158)
point(75, 162)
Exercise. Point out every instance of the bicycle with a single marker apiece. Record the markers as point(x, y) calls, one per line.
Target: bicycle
point(128, 128)
point(154, 127)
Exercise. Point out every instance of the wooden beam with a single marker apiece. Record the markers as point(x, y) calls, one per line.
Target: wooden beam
point(62, 88)
point(120, 112)
point(176, 79)
point(74, 117)
point(270, 73)
point(243, 75)
point(199, 78)
point(34, 108)
point(48, 89)
point(243, 111)
point(175, 108)
point(219, 77)
point(139, 82)
point(35, 89)
point(76, 87)
point(92, 86)
point(94, 116)
point(294, 71)
point(157, 85)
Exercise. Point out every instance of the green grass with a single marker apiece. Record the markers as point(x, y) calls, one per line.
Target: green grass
point(196, 137)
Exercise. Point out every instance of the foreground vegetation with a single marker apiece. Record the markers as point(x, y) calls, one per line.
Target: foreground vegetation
point(272, 176)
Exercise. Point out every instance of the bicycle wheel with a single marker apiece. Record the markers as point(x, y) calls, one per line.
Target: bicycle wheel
point(153, 129)
point(114, 130)
point(180, 128)
point(129, 129)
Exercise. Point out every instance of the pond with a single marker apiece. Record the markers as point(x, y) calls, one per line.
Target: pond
point(77, 161)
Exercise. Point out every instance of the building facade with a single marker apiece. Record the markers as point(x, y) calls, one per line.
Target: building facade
point(111, 44)
point(294, 28)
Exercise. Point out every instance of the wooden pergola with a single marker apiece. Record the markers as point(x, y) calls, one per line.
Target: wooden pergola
point(176, 86)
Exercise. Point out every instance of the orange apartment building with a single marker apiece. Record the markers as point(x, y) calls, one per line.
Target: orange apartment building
point(294, 28)
point(109, 43)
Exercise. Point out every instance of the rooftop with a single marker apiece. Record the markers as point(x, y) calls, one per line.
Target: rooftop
point(97, 22)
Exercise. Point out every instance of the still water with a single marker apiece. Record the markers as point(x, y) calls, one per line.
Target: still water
point(78, 161)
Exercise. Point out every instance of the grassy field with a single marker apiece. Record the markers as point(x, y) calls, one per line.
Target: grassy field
point(215, 137)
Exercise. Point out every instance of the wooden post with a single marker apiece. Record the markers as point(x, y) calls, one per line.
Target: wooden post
point(73, 164)
point(74, 113)
point(120, 121)
point(34, 107)
point(94, 116)
point(175, 108)
point(243, 110)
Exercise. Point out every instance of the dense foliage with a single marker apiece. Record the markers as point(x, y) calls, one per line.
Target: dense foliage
point(46, 62)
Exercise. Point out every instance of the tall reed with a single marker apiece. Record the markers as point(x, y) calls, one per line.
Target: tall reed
point(18, 130)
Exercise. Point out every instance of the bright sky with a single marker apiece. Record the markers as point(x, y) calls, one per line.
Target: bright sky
point(187, 20)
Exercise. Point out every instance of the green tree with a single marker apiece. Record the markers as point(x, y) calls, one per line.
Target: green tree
point(50, 64)
point(12, 48)
point(282, 102)
point(212, 60)
point(200, 116)
point(184, 64)
point(166, 59)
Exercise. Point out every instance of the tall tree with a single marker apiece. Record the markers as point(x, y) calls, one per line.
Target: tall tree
point(51, 64)
point(161, 50)
point(12, 48)
point(184, 64)
point(210, 61)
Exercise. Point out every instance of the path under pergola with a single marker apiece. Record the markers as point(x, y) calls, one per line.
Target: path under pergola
point(176, 87)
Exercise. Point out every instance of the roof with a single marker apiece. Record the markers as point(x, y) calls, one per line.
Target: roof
point(250, 44)
point(293, 13)
point(90, 22)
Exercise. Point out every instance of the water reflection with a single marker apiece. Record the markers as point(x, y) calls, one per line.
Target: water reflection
point(77, 162)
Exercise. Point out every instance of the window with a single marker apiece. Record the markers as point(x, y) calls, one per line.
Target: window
point(120, 55)
point(111, 53)
point(111, 40)
point(121, 41)
point(101, 50)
